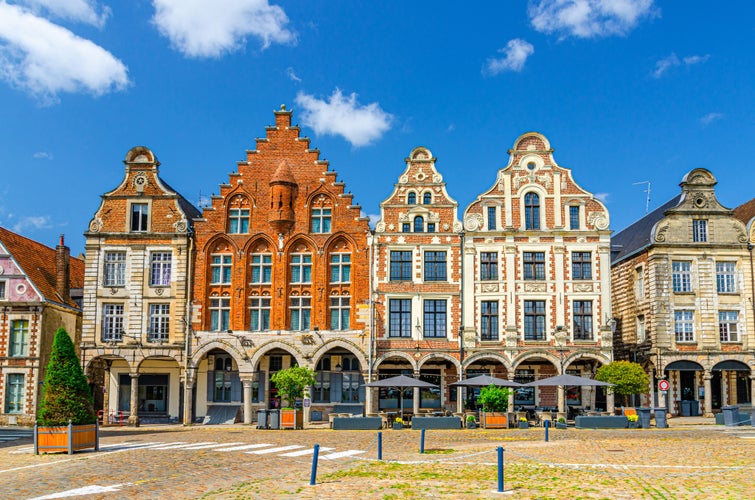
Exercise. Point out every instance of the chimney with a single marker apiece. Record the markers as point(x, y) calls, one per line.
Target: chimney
point(62, 270)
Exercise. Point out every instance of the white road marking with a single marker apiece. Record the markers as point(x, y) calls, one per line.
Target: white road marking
point(302, 453)
point(213, 445)
point(275, 450)
point(245, 447)
point(182, 446)
point(341, 454)
point(160, 446)
point(86, 490)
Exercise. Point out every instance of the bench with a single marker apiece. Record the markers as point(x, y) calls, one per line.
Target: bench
point(608, 422)
point(436, 422)
point(357, 423)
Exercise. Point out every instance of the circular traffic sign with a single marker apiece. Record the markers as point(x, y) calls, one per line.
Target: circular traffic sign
point(663, 385)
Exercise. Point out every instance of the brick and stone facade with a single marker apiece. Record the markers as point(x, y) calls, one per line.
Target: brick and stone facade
point(682, 300)
point(138, 252)
point(537, 279)
point(281, 277)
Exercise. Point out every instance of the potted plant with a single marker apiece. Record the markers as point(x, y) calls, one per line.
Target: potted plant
point(523, 423)
point(398, 424)
point(561, 423)
point(633, 421)
point(627, 378)
point(66, 420)
point(471, 424)
point(495, 401)
point(291, 383)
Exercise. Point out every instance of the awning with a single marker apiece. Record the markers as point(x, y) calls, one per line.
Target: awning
point(731, 365)
point(684, 366)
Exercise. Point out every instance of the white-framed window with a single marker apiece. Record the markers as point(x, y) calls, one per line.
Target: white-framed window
point(238, 221)
point(340, 268)
point(2, 289)
point(15, 390)
point(641, 335)
point(220, 266)
point(581, 265)
point(262, 268)
point(726, 280)
point(435, 266)
point(400, 318)
point(681, 276)
point(115, 268)
point(492, 218)
point(727, 326)
point(112, 322)
point(684, 325)
point(160, 264)
point(340, 310)
point(220, 314)
point(427, 198)
point(533, 265)
point(582, 313)
point(19, 338)
point(259, 308)
point(573, 216)
point(489, 266)
point(489, 320)
point(300, 310)
point(411, 198)
point(434, 318)
point(639, 282)
point(301, 268)
point(401, 265)
point(321, 218)
point(159, 322)
point(531, 211)
point(139, 217)
point(699, 230)
point(534, 320)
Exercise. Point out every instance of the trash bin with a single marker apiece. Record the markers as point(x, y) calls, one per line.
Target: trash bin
point(731, 415)
point(660, 418)
point(315, 416)
point(644, 417)
point(273, 419)
point(262, 419)
point(685, 408)
point(694, 408)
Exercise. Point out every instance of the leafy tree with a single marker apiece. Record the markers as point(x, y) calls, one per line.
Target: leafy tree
point(494, 398)
point(628, 378)
point(65, 394)
point(292, 381)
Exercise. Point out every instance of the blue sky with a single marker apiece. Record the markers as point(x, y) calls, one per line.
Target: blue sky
point(626, 91)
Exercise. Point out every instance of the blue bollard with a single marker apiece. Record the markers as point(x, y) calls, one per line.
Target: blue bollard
point(313, 478)
point(547, 425)
point(500, 469)
point(380, 445)
point(422, 442)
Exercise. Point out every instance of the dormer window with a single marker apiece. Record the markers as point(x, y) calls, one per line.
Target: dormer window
point(700, 230)
point(574, 217)
point(427, 198)
point(491, 219)
point(411, 198)
point(139, 217)
point(531, 211)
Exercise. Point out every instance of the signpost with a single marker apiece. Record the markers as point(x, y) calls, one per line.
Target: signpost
point(663, 387)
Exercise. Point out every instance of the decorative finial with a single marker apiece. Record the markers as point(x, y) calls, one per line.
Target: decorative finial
point(283, 107)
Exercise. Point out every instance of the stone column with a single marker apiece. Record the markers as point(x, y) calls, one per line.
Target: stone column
point(246, 382)
point(752, 389)
point(133, 417)
point(417, 395)
point(369, 395)
point(610, 404)
point(708, 402)
point(189, 381)
point(561, 398)
point(512, 395)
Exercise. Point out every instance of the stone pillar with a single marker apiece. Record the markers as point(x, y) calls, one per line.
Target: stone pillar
point(708, 402)
point(417, 395)
point(610, 402)
point(246, 382)
point(512, 395)
point(106, 394)
point(561, 398)
point(752, 388)
point(369, 395)
point(189, 380)
point(133, 417)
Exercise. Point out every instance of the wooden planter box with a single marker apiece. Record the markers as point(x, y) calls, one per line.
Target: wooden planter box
point(292, 419)
point(495, 420)
point(66, 438)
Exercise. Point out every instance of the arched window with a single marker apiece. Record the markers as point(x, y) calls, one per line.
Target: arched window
point(419, 224)
point(238, 215)
point(411, 198)
point(531, 211)
point(427, 198)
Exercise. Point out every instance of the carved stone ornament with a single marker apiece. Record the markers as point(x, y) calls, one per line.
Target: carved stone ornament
point(699, 200)
point(140, 181)
point(96, 225)
point(403, 179)
point(660, 234)
point(181, 226)
point(598, 219)
point(437, 178)
point(380, 227)
point(402, 217)
point(583, 287)
point(741, 235)
point(531, 178)
point(457, 226)
point(535, 287)
point(420, 175)
point(446, 226)
point(490, 287)
point(473, 222)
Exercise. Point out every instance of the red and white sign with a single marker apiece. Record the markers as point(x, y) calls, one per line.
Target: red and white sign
point(663, 385)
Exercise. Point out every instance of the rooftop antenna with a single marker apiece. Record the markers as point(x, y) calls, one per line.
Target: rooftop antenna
point(647, 200)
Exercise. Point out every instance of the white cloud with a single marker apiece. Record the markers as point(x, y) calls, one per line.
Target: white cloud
point(42, 155)
point(32, 222)
point(290, 73)
point(344, 116)
point(515, 53)
point(373, 220)
point(589, 18)
point(690, 60)
point(44, 59)
point(603, 197)
point(84, 11)
point(672, 60)
point(198, 28)
point(710, 118)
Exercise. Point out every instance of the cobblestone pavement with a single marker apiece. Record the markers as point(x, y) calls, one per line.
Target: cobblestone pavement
point(240, 462)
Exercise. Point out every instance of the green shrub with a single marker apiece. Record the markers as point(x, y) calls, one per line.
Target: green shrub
point(628, 378)
point(292, 381)
point(494, 398)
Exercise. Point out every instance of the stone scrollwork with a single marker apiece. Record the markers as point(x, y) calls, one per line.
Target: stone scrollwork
point(95, 225)
point(380, 227)
point(660, 234)
point(599, 220)
point(457, 227)
point(181, 226)
point(473, 222)
point(490, 287)
point(403, 179)
point(583, 287)
point(535, 287)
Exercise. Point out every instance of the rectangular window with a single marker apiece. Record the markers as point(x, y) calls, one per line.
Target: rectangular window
point(220, 314)
point(301, 268)
point(300, 313)
point(435, 266)
point(489, 320)
point(582, 312)
point(640, 329)
point(534, 320)
point(430, 227)
point(139, 217)
point(2, 290)
point(400, 318)
point(262, 268)
point(19, 338)
point(159, 322)
point(573, 217)
point(350, 383)
point(112, 322)
point(14, 393)
point(115, 268)
point(340, 309)
point(489, 266)
point(406, 227)
point(276, 363)
point(534, 265)
point(321, 389)
point(726, 281)
point(491, 219)
point(238, 221)
point(221, 269)
point(581, 265)
point(700, 230)
point(260, 314)
point(160, 264)
point(727, 326)
point(340, 268)
point(401, 265)
point(684, 326)
point(681, 276)
point(639, 280)
point(321, 220)
point(435, 318)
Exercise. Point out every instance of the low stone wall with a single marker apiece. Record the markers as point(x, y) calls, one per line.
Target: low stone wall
point(608, 422)
point(357, 423)
point(436, 423)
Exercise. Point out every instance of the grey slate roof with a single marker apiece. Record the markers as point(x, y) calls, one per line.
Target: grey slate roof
point(637, 236)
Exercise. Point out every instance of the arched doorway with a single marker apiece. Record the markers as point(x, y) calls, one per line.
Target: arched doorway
point(686, 391)
point(730, 383)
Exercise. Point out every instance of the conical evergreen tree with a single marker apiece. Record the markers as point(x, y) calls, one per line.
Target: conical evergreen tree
point(66, 394)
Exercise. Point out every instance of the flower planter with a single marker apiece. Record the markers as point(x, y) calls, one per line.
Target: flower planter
point(66, 438)
point(633, 425)
point(495, 420)
point(471, 424)
point(560, 425)
point(397, 426)
point(291, 419)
